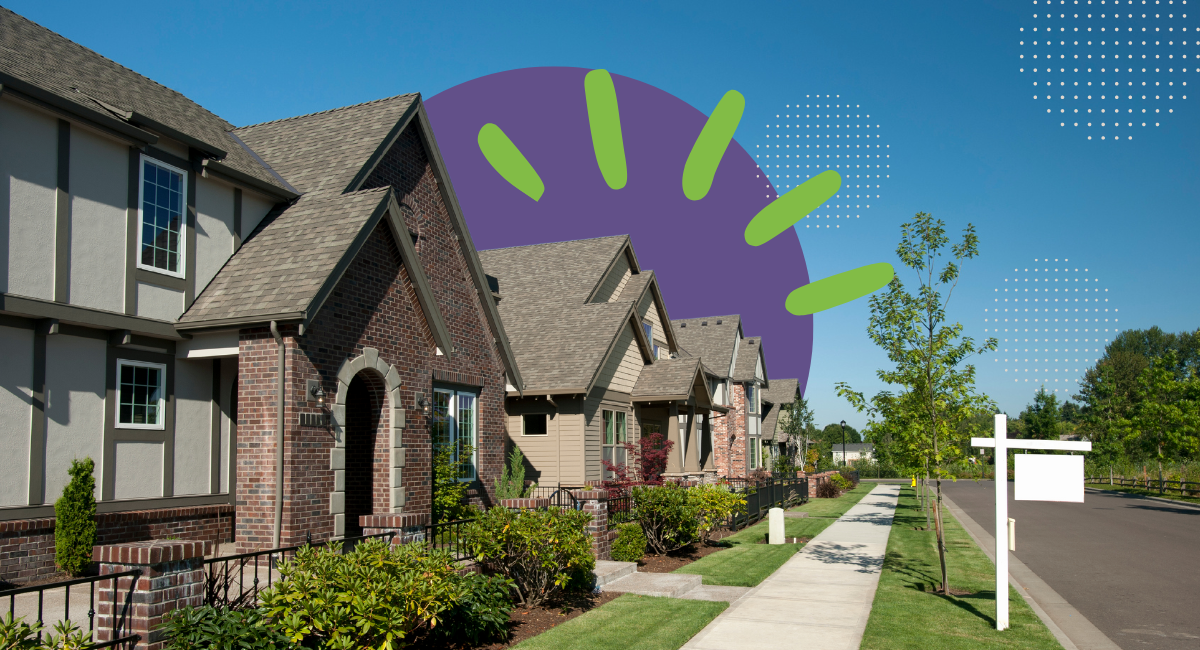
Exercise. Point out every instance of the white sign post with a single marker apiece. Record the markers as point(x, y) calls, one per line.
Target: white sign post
point(1044, 478)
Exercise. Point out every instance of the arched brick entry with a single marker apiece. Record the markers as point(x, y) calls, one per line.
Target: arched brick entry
point(366, 381)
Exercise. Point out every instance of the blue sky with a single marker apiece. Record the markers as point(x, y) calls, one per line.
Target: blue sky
point(966, 139)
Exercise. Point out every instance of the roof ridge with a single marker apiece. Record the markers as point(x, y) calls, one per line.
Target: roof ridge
point(551, 243)
point(127, 69)
point(326, 111)
point(737, 316)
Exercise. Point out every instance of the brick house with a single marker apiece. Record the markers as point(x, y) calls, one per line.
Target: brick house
point(591, 333)
point(737, 374)
point(161, 267)
point(776, 405)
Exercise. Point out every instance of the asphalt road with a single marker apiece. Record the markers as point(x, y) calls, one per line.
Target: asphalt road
point(1130, 565)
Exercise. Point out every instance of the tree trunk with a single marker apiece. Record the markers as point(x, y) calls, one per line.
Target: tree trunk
point(927, 505)
point(941, 537)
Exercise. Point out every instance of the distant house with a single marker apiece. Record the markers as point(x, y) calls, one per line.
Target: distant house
point(855, 451)
point(594, 342)
point(737, 374)
point(257, 333)
point(777, 404)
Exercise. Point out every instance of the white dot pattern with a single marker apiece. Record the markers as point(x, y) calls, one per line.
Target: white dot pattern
point(1053, 320)
point(1109, 66)
point(823, 133)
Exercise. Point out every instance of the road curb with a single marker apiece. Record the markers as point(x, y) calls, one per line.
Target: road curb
point(1072, 629)
point(1130, 495)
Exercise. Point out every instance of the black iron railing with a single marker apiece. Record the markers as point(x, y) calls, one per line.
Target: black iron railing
point(1150, 483)
point(448, 536)
point(119, 615)
point(763, 495)
point(620, 510)
point(235, 581)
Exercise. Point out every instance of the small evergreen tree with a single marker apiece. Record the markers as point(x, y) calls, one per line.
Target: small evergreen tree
point(511, 482)
point(75, 519)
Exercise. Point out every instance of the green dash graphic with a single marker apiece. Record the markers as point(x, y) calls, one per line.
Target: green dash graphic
point(785, 211)
point(605, 120)
point(509, 162)
point(839, 289)
point(714, 138)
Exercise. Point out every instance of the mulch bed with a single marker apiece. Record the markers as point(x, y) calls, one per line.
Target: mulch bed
point(527, 623)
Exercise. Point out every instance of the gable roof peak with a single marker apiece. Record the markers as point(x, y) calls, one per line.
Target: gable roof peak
point(331, 110)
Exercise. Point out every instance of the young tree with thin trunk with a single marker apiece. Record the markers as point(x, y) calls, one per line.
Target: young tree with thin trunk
point(929, 415)
point(1165, 418)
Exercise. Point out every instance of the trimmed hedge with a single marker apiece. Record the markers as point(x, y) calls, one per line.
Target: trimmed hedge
point(630, 544)
point(75, 519)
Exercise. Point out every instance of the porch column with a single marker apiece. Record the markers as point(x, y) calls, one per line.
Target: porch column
point(674, 465)
point(706, 445)
point(691, 461)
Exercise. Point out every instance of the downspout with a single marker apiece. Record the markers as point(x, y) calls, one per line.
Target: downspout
point(279, 437)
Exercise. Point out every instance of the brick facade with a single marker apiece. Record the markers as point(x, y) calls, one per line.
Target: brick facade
point(729, 432)
point(374, 305)
point(172, 577)
point(27, 545)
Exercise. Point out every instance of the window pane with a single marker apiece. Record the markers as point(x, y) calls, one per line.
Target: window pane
point(126, 414)
point(466, 433)
point(608, 427)
point(162, 217)
point(441, 418)
point(534, 424)
point(620, 428)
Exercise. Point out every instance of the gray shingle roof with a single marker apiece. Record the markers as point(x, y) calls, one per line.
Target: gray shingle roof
point(323, 152)
point(782, 391)
point(558, 339)
point(36, 55)
point(713, 343)
point(290, 257)
point(747, 359)
point(781, 394)
point(667, 377)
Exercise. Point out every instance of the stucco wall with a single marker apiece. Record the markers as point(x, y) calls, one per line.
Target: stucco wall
point(193, 426)
point(214, 229)
point(254, 208)
point(16, 403)
point(99, 174)
point(75, 380)
point(158, 302)
point(138, 470)
point(28, 173)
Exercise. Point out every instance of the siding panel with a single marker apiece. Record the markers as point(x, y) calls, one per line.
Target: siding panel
point(28, 177)
point(99, 187)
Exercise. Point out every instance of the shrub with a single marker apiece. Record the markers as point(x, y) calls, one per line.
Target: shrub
point(840, 481)
point(75, 519)
point(630, 544)
point(449, 493)
point(16, 634)
point(202, 628)
point(542, 551)
point(827, 490)
point(851, 478)
point(668, 518)
point(647, 461)
point(378, 595)
point(713, 506)
point(511, 482)
point(481, 615)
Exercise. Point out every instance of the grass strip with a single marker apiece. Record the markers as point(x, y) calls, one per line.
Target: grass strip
point(630, 622)
point(747, 563)
point(1143, 492)
point(906, 612)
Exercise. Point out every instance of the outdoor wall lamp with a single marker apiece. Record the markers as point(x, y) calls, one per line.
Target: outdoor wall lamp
point(318, 394)
point(426, 407)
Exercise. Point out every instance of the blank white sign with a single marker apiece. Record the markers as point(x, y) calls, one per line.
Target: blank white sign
point(1045, 477)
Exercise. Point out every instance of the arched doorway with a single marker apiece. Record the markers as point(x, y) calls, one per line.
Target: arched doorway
point(363, 406)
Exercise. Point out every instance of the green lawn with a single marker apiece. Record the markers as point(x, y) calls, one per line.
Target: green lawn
point(748, 563)
point(1128, 489)
point(630, 622)
point(907, 615)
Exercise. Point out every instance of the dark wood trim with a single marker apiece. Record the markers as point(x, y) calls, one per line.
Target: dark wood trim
point(124, 505)
point(17, 322)
point(62, 216)
point(141, 120)
point(237, 218)
point(214, 458)
point(189, 244)
point(171, 159)
point(131, 232)
point(161, 279)
point(112, 434)
point(233, 176)
point(37, 426)
point(97, 318)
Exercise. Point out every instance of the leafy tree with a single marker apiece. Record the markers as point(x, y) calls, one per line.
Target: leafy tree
point(937, 392)
point(75, 519)
point(647, 460)
point(1164, 418)
point(797, 422)
point(449, 493)
point(1040, 419)
point(1106, 395)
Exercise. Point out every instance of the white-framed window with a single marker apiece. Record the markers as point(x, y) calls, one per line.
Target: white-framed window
point(615, 438)
point(755, 452)
point(141, 395)
point(534, 424)
point(455, 423)
point(751, 399)
point(649, 330)
point(162, 202)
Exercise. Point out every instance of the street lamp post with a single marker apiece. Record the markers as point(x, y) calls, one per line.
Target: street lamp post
point(843, 443)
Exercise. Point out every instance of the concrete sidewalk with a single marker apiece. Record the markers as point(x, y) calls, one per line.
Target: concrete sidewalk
point(821, 597)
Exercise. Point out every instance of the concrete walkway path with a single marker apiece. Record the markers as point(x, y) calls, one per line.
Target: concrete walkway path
point(821, 597)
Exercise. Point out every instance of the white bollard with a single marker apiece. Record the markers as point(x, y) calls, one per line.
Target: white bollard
point(775, 525)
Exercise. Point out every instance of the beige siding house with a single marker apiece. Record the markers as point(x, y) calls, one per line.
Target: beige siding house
point(587, 328)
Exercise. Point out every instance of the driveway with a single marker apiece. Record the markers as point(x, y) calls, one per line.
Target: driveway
point(1130, 565)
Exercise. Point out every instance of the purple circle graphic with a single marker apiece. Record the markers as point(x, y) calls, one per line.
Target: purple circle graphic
point(696, 248)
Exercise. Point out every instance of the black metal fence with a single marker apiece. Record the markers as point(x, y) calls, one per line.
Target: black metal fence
point(620, 510)
point(1149, 483)
point(119, 614)
point(234, 581)
point(448, 536)
point(763, 495)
